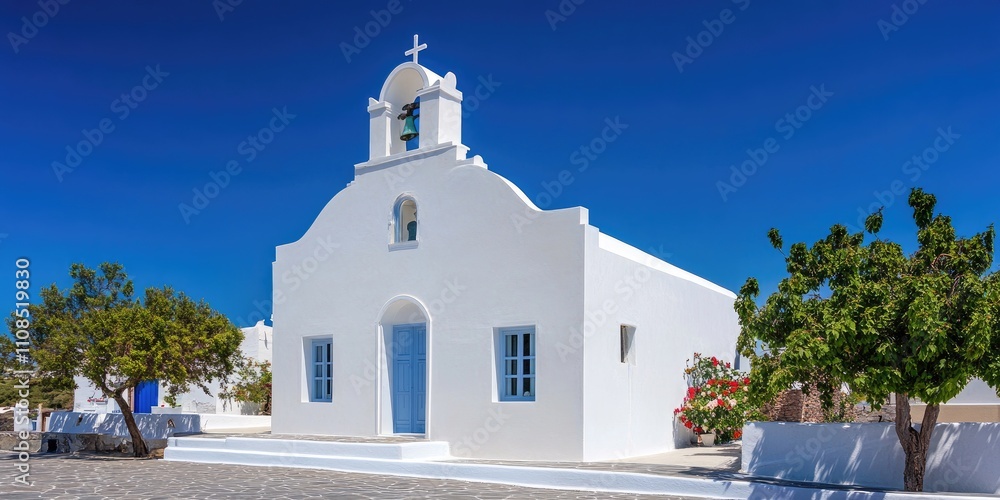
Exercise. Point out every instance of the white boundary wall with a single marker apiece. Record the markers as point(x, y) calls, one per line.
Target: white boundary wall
point(151, 426)
point(155, 426)
point(964, 457)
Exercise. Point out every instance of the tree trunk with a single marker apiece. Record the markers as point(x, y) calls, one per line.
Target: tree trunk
point(915, 444)
point(139, 448)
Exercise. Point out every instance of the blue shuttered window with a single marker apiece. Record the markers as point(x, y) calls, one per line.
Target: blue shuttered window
point(322, 371)
point(518, 358)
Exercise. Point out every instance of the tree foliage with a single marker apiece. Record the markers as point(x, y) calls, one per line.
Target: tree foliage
point(869, 316)
point(252, 384)
point(99, 329)
point(54, 393)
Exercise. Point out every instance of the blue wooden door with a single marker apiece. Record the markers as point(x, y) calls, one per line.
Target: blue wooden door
point(147, 395)
point(409, 378)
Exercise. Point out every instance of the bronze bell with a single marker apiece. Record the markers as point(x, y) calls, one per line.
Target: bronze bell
point(409, 123)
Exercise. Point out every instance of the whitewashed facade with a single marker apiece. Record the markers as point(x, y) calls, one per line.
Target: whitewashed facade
point(432, 297)
point(256, 345)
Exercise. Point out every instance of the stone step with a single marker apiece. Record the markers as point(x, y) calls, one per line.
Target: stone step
point(422, 450)
point(361, 459)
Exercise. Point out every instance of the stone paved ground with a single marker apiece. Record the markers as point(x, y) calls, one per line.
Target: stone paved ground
point(90, 476)
point(718, 462)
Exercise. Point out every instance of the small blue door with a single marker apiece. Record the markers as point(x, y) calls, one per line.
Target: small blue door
point(409, 378)
point(147, 395)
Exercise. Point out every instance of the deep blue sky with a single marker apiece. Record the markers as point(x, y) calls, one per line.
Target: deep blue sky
point(655, 187)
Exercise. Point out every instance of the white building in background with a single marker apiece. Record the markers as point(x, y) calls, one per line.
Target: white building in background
point(256, 345)
point(432, 297)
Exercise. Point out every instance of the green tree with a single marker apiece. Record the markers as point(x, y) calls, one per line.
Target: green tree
point(51, 392)
point(98, 329)
point(252, 385)
point(882, 322)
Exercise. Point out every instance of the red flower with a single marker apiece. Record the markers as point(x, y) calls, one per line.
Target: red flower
point(688, 424)
point(737, 434)
point(721, 402)
point(727, 365)
point(715, 361)
point(691, 392)
point(746, 381)
point(734, 385)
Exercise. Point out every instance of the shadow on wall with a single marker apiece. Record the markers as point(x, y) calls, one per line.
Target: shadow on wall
point(965, 454)
point(152, 426)
point(964, 457)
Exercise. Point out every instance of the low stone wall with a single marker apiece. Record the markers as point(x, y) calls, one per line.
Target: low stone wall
point(151, 426)
point(963, 458)
point(59, 442)
point(70, 432)
point(794, 405)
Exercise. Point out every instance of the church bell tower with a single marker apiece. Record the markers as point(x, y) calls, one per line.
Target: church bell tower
point(414, 102)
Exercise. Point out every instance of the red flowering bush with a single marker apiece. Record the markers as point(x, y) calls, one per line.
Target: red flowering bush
point(717, 399)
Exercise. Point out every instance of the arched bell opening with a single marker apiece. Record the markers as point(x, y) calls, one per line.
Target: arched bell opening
point(404, 220)
point(399, 92)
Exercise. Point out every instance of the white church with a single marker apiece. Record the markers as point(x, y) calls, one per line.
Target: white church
point(432, 298)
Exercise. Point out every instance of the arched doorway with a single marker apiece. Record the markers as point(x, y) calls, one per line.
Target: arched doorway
point(404, 376)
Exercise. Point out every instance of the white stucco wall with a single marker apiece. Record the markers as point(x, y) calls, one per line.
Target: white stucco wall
point(256, 344)
point(472, 271)
point(151, 426)
point(629, 408)
point(963, 458)
point(485, 258)
point(85, 396)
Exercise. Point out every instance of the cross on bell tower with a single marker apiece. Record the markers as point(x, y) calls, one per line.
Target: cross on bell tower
point(440, 109)
point(417, 47)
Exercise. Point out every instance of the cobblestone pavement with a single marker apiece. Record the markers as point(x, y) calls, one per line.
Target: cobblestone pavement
point(725, 467)
point(94, 476)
